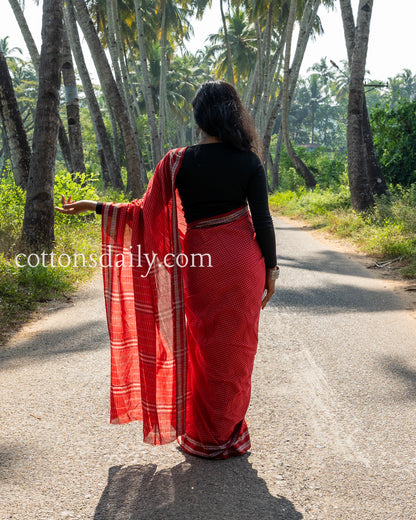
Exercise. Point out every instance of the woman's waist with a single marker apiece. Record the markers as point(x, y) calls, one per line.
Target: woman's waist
point(219, 219)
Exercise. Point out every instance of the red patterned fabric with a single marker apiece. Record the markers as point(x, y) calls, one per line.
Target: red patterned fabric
point(222, 307)
point(187, 380)
point(145, 310)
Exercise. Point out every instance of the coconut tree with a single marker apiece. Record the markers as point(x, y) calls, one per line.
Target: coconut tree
point(105, 152)
point(72, 107)
point(174, 30)
point(230, 72)
point(13, 125)
point(34, 56)
point(242, 41)
point(116, 45)
point(297, 162)
point(24, 28)
point(364, 173)
point(308, 23)
point(38, 222)
point(134, 160)
point(146, 84)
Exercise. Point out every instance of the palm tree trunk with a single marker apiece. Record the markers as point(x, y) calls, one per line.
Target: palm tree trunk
point(114, 133)
point(111, 41)
point(103, 141)
point(146, 86)
point(72, 107)
point(255, 96)
point(34, 56)
point(375, 175)
point(267, 71)
point(136, 69)
point(276, 163)
point(113, 97)
point(299, 165)
point(163, 78)
point(38, 222)
point(127, 88)
point(308, 17)
point(361, 196)
point(14, 129)
point(24, 29)
point(230, 74)
point(310, 11)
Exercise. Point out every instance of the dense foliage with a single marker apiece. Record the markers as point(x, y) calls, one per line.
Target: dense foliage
point(22, 288)
point(395, 140)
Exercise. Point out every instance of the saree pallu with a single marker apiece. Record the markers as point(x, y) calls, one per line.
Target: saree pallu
point(222, 305)
point(145, 308)
point(186, 378)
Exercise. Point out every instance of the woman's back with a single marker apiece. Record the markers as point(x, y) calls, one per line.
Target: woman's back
point(216, 178)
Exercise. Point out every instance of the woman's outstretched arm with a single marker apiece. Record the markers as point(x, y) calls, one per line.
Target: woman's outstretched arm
point(73, 208)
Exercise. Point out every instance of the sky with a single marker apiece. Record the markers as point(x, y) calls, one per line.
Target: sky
point(391, 44)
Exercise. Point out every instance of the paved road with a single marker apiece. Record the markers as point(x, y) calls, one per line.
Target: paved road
point(332, 417)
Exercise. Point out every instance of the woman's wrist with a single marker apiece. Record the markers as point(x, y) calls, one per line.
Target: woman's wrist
point(273, 273)
point(99, 207)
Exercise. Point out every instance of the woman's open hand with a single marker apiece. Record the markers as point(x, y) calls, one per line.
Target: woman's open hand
point(269, 287)
point(74, 208)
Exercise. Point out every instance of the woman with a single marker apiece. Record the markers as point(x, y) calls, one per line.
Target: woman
point(183, 334)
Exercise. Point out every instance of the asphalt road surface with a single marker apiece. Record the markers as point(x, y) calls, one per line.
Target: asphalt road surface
point(332, 417)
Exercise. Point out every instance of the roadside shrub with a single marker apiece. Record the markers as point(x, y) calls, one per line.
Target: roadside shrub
point(394, 132)
point(328, 168)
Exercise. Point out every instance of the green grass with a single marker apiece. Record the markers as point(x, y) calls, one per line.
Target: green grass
point(386, 232)
point(22, 289)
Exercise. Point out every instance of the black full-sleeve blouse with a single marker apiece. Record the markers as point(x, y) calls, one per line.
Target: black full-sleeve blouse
point(215, 178)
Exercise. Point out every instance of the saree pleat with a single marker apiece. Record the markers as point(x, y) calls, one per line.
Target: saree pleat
point(222, 307)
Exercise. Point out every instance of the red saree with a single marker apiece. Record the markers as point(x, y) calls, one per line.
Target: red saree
point(185, 378)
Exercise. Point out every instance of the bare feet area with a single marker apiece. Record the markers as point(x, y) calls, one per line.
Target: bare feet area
point(331, 417)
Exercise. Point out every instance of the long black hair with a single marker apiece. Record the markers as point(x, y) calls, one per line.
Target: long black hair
point(219, 112)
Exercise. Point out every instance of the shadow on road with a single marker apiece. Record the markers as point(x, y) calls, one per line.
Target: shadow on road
point(196, 489)
point(335, 298)
point(328, 261)
point(67, 339)
point(406, 374)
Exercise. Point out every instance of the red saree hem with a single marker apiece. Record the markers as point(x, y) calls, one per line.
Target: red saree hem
point(238, 444)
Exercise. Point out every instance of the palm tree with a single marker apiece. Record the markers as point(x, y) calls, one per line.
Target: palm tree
point(299, 165)
point(72, 107)
point(146, 85)
point(134, 160)
point(307, 10)
point(34, 56)
point(230, 72)
point(108, 162)
point(13, 126)
point(403, 85)
point(24, 28)
point(242, 42)
point(364, 172)
point(38, 222)
point(174, 29)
